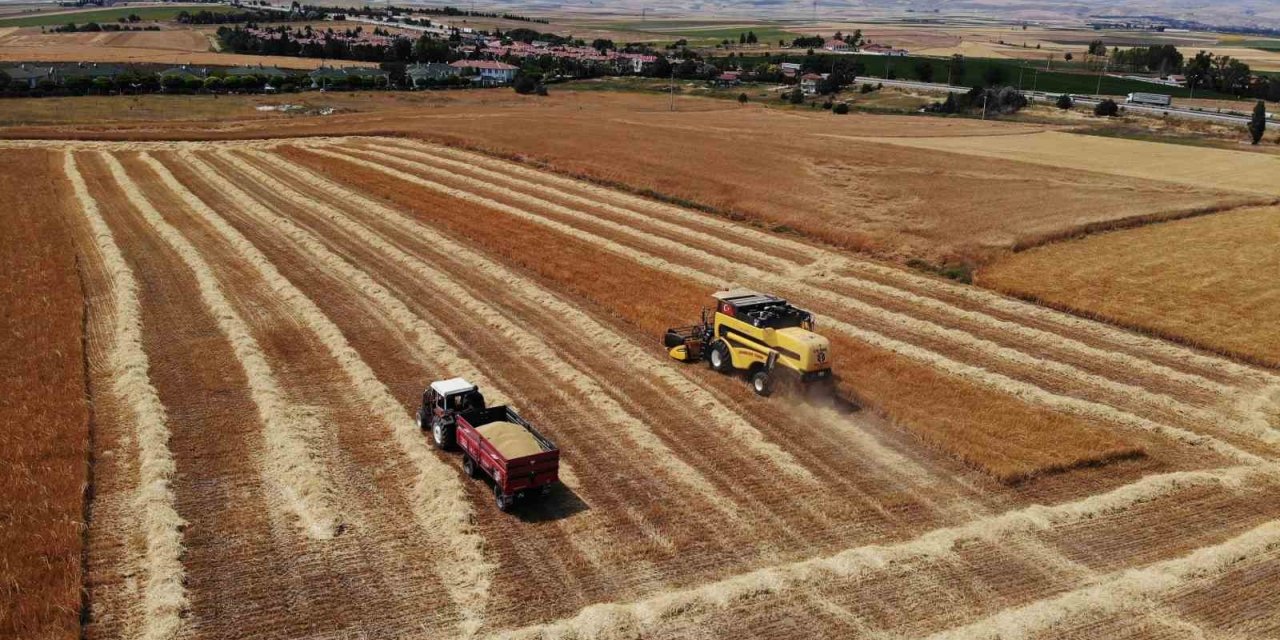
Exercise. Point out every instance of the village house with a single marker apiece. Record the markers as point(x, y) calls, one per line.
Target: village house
point(728, 79)
point(419, 74)
point(329, 76)
point(29, 75)
point(839, 46)
point(486, 72)
point(809, 83)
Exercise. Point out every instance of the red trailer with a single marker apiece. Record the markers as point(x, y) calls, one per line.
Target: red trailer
point(495, 441)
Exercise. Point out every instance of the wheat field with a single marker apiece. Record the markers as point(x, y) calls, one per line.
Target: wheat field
point(262, 316)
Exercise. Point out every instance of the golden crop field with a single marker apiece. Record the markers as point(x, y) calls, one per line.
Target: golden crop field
point(267, 299)
point(172, 46)
point(1201, 280)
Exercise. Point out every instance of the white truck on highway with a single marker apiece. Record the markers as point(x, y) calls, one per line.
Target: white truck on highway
point(1155, 99)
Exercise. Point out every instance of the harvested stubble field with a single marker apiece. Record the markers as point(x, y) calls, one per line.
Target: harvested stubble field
point(809, 173)
point(171, 46)
point(267, 313)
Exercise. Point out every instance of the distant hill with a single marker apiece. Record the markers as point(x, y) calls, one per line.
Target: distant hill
point(1237, 13)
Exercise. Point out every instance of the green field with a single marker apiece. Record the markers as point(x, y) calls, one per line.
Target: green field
point(704, 33)
point(108, 15)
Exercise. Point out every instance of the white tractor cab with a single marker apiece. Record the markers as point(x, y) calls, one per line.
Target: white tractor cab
point(442, 402)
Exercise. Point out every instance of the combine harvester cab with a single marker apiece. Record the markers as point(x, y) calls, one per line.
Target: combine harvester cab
point(495, 441)
point(763, 335)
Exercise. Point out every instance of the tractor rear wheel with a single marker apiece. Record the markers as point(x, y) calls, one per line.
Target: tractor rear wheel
point(762, 383)
point(720, 359)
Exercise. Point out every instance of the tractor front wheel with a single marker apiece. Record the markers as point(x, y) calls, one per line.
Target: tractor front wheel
point(442, 435)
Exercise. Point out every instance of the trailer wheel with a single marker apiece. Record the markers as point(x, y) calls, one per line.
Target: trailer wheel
point(442, 435)
point(720, 359)
point(504, 503)
point(469, 466)
point(761, 383)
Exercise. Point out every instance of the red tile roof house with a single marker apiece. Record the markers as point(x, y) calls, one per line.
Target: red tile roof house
point(728, 78)
point(487, 71)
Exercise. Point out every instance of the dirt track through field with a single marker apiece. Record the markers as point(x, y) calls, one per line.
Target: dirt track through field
point(293, 298)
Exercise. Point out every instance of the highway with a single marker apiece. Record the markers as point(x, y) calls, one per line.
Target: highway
point(1041, 96)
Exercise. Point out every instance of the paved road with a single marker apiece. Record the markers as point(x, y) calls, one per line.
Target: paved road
point(1175, 112)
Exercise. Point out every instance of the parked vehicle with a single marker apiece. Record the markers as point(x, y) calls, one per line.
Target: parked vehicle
point(495, 441)
point(1154, 99)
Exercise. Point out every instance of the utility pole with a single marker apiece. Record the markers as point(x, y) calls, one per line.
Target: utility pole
point(1100, 74)
point(985, 95)
point(1035, 79)
point(673, 88)
point(1020, 70)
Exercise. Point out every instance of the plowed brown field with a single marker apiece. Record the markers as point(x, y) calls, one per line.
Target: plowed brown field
point(270, 311)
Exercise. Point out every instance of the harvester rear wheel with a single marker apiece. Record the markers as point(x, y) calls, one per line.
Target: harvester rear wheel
point(762, 383)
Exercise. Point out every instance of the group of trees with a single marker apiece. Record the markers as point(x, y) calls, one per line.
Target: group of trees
point(94, 27)
point(1162, 59)
point(284, 41)
point(234, 17)
point(991, 100)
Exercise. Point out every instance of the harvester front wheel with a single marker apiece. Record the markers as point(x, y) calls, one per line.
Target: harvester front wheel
point(720, 359)
point(761, 383)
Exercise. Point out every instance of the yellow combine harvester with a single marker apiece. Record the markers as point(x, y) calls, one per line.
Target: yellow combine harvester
point(757, 333)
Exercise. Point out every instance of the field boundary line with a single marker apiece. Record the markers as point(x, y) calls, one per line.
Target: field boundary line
point(164, 598)
point(997, 381)
point(1128, 590)
point(824, 256)
point(1066, 320)
point(590, 327)
point(291, 463)
point(439, 495)
point(641, 616)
